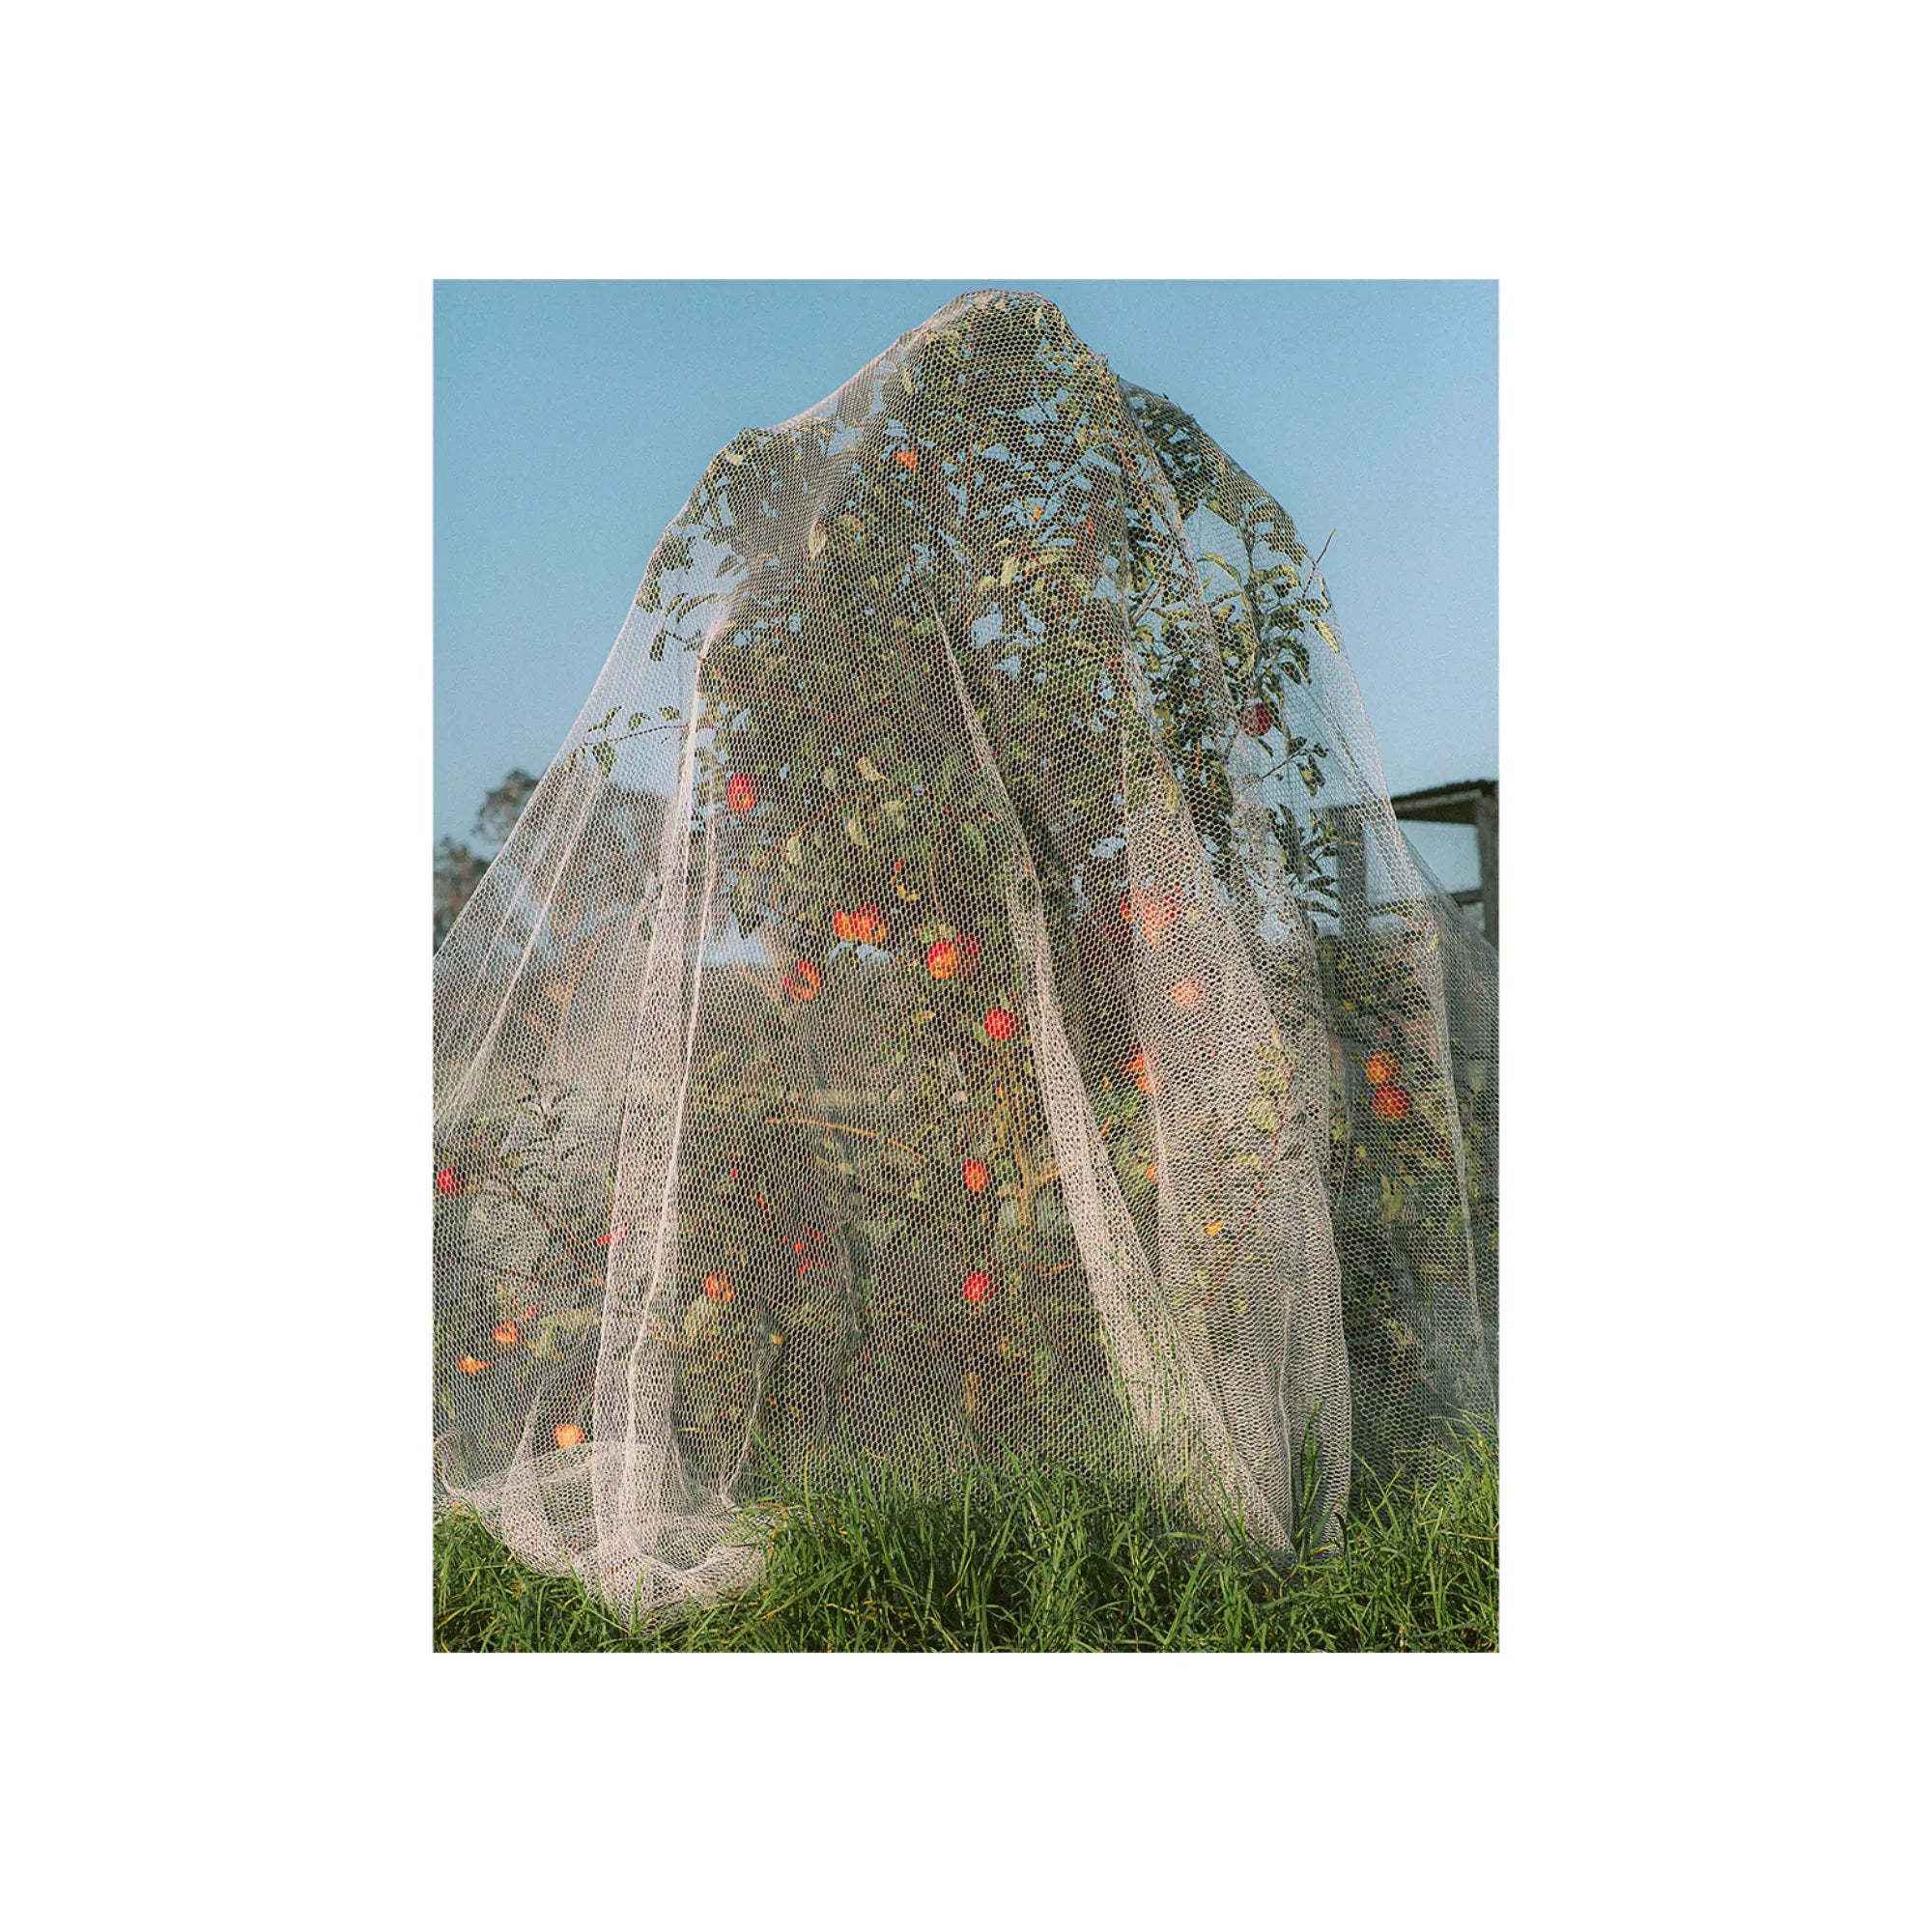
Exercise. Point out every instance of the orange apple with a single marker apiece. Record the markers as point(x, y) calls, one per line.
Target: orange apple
point(861, 925)
point(568, 1435)
point(1154, 912)
point(976, 1174)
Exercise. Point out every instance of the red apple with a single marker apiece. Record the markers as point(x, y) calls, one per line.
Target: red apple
point(976, 1174)
point(1001, 1024)
point(448, 1180)
point(741, 793)
point(977, 1286)
point(1391, 1101)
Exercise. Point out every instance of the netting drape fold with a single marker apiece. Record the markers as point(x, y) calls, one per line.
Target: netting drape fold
point(960, 995)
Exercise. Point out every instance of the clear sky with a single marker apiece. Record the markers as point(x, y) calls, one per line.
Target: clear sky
point(574, 418)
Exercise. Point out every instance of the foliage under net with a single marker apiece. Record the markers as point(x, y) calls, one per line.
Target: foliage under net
point(960, 994)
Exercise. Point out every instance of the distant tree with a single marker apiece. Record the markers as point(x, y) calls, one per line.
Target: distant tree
point(458, 865)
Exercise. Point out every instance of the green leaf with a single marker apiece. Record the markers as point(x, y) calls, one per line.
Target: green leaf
point(856, 832)
point(606, 756)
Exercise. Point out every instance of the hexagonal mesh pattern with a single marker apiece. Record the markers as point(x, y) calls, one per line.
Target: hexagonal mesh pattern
point(959, 994)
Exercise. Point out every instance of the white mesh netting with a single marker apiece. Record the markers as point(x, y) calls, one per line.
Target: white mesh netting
point(959, 994)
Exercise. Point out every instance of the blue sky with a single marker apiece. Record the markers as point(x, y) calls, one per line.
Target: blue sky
point(572, 418)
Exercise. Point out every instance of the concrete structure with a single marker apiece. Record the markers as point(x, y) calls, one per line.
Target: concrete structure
point(1471, 802)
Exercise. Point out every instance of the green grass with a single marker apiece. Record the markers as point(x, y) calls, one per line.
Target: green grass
point(1040, 1560)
